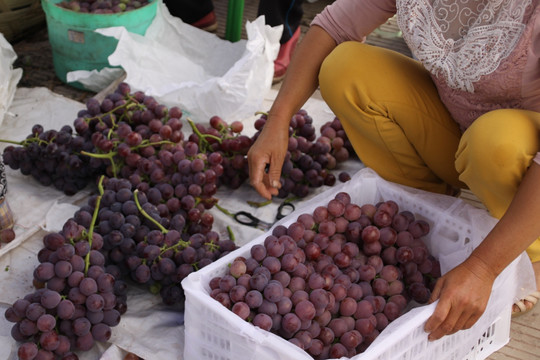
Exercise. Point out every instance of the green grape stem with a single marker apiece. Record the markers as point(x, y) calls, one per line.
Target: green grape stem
point(128, 105)
point(93, 223)
point(110, 156)
point(145, 214)
point(20, 143)
point(202, 137)
point(180, 243)
point(258, 204)
point(100, 185)
point(212, 246)
point(231, 234)
point(223, 210)
point(25, 142)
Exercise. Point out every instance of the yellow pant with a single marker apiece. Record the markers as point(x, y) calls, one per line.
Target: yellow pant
point(391, 111)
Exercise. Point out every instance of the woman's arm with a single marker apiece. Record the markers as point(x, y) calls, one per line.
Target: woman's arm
point(463, 293)
point(343, 20)
point(299, 84)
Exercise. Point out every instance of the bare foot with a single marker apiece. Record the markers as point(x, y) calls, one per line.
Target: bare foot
point(527, 304)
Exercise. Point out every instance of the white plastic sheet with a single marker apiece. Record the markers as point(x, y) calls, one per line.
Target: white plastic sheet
point(183, 65)
point(9, 77)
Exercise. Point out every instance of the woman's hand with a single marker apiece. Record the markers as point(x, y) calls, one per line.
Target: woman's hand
point(266, 155)
point(265, 159)
point(463, 294)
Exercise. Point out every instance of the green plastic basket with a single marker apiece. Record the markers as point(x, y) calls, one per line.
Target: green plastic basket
point(76, 46)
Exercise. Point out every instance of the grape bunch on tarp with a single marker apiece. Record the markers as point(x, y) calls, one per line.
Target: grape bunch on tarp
point(147, 221)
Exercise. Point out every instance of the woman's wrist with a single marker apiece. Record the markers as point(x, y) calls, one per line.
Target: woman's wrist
point(481, 268)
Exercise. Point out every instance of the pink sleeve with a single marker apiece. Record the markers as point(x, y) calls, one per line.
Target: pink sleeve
point(353, 20)
point(537, 158)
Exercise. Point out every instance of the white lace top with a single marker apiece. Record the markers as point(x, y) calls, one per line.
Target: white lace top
point(482, 54)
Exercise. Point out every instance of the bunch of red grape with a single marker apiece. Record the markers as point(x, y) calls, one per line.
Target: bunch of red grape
point(309, 160)
point(141, 140)
point(82, 278)
point(76, 302)
point(333, 279)
point(154, 244)
point(132, 136)
point(102, 6)
point(231, 146)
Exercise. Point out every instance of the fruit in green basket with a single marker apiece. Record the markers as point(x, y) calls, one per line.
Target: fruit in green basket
point(102, 6)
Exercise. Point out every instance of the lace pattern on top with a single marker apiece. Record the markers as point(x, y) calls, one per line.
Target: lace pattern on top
point(461, 40)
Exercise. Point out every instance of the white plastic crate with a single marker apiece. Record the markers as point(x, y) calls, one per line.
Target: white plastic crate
point(215, 333)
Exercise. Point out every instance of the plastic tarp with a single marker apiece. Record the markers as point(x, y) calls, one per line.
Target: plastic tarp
point(183, 65)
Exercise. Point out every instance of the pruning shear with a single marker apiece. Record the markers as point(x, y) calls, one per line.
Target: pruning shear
point(246, 218)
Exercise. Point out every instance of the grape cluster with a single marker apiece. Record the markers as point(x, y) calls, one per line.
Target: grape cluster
point(76, 301)
point(332, 132)
point(102, 6)
point(132, 136)
point(332, 280)
point(230, 144)
point(53, 157)
point(309, 160)
point(341, 147)
point(157, 245)
point(140, 140)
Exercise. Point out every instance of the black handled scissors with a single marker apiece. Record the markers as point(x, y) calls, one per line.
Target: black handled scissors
point(246, 218)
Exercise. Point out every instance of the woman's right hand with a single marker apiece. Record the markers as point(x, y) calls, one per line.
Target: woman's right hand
point(266, 156)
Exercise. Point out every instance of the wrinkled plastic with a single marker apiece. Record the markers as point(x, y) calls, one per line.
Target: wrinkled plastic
point(184, 66)
point(9, 77)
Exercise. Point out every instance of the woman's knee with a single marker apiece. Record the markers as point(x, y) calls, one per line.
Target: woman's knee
point(500, 139)
point(338, 66)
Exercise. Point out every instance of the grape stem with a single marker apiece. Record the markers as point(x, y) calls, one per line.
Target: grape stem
point(180, 243)
point(223, 210)
point(231, 234)
point(111, 154)
point(145, 214)
point(228, 213)
point(127, 105)
point(93, 223)
point(25, 142)
point(258, 204)
point(202, 136)
point(211, 246)
point(21, 143)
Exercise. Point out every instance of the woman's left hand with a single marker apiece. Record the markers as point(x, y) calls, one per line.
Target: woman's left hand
point(463, 294)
